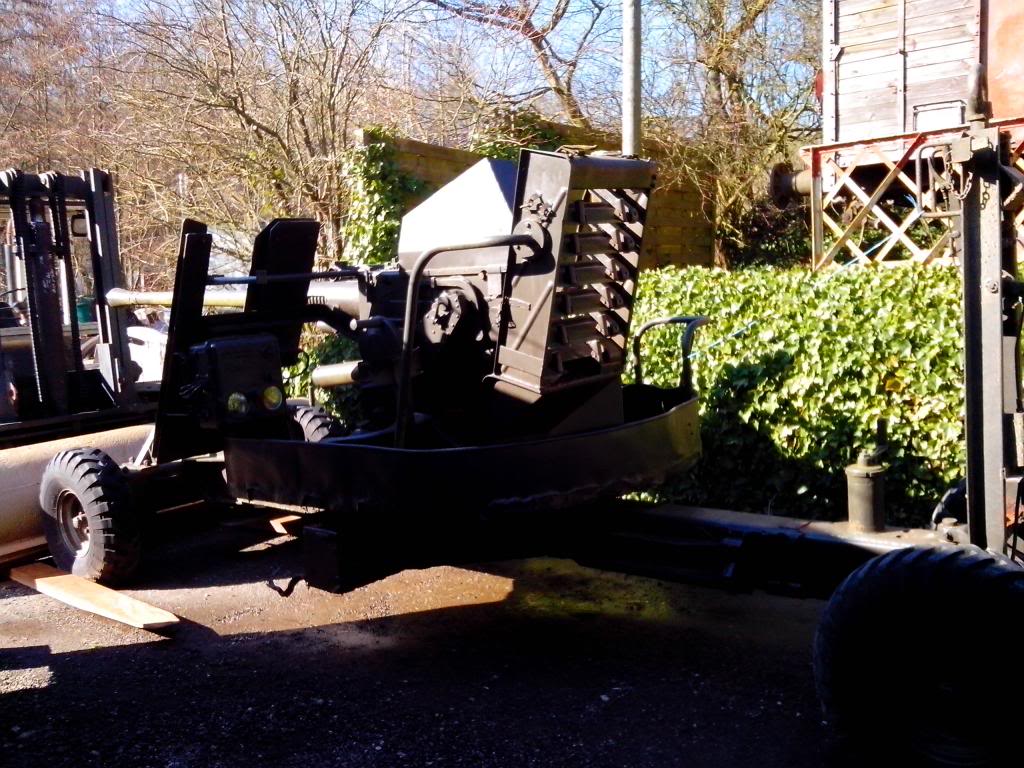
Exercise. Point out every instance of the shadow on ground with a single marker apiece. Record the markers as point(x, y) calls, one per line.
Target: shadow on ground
point(563, 667)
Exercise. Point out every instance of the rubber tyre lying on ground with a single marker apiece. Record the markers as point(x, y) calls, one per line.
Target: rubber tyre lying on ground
point(313, 424)
point(916, 654)
point(90, 526)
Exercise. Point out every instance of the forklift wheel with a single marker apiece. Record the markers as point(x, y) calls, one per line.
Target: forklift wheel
point(88, 519)
point(313, 424)
point(913, 651)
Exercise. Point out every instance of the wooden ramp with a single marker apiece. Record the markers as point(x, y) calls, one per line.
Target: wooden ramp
point(94, 598)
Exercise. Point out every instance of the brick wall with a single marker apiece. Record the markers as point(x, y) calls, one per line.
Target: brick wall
point(678, 232)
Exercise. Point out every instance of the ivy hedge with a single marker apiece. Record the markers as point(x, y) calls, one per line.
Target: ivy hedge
point(377, 190)
point(796, 368)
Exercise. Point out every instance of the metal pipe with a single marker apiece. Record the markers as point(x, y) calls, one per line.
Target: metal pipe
point(262, 278)
point(786, 185)
point(343, 295)
point(336, 375)
point(9, 269)
point(408, 322)
point(631, 27)
point(18, 273)
point(119, 297)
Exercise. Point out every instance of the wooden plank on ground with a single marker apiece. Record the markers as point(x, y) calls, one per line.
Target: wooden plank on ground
point(92, 597)
point(290, 525)
point(287, 524)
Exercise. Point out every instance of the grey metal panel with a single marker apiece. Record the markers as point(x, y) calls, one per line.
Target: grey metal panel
point(475, 205)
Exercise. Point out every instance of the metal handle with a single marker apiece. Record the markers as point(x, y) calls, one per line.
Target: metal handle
point(409, 322)
point(686, 343)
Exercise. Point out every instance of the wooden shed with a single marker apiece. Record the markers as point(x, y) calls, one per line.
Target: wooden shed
point(900, 66)
point(898, 82)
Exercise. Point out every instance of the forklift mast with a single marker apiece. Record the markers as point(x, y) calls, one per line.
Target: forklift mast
point(63, 373)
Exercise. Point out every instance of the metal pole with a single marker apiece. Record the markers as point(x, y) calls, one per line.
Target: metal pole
point(631, 77)
point(10, 274)
point(991, 367)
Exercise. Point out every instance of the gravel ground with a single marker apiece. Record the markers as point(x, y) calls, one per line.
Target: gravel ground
point(524, 663)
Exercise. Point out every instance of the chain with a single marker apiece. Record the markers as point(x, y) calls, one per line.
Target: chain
point(968, 182)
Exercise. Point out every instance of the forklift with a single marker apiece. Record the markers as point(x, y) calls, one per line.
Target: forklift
point(69, 362)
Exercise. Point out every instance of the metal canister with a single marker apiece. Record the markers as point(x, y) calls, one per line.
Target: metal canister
point(865, 493)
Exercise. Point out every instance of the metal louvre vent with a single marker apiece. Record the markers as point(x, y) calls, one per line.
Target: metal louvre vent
point(569, 315)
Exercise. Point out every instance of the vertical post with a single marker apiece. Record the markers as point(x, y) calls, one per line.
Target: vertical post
point(817, 224)
point(631, 77)
point(901, 83)
point(112, 352)
point(831, 51)
point(10, 272)
point(991, 369)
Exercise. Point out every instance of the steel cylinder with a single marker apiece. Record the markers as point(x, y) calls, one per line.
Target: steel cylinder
point(786, 185)
point(336, 375)
point(865, 494)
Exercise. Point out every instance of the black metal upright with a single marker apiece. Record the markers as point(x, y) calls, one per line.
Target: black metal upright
point(43, 296)
point(111, 352)
point(991, 330)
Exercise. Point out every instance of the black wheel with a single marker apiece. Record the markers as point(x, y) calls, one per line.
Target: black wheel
point(90, 526)
point(313, 424)
point(916, 653)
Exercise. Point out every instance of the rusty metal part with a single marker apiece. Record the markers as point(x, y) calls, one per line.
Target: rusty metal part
point(786, 185)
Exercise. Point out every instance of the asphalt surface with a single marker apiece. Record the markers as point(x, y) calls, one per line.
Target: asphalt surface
point(520, 663)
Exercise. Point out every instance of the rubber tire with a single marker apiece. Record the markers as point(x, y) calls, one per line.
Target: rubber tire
point(115, 540)
point(915, 654)
point(313, 423)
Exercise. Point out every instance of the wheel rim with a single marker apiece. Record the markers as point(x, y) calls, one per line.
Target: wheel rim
point(73, 523)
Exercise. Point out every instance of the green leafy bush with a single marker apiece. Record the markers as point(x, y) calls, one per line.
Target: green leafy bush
point(763, 234)
point(377, 191)
point(321, 348)
point(502, 133)
point(795, 370)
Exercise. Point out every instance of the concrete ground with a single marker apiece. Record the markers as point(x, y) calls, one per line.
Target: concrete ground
point(525, 663)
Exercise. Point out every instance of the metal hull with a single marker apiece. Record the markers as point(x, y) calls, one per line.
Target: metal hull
point(553, 472)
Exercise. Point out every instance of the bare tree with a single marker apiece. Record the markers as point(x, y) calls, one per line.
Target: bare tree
point(243, 110)
point(47, 97)
point(557, 35)
point(739, 96)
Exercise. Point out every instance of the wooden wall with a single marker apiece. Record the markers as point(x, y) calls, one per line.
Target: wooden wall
point(677, 233)
point(896, 66)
